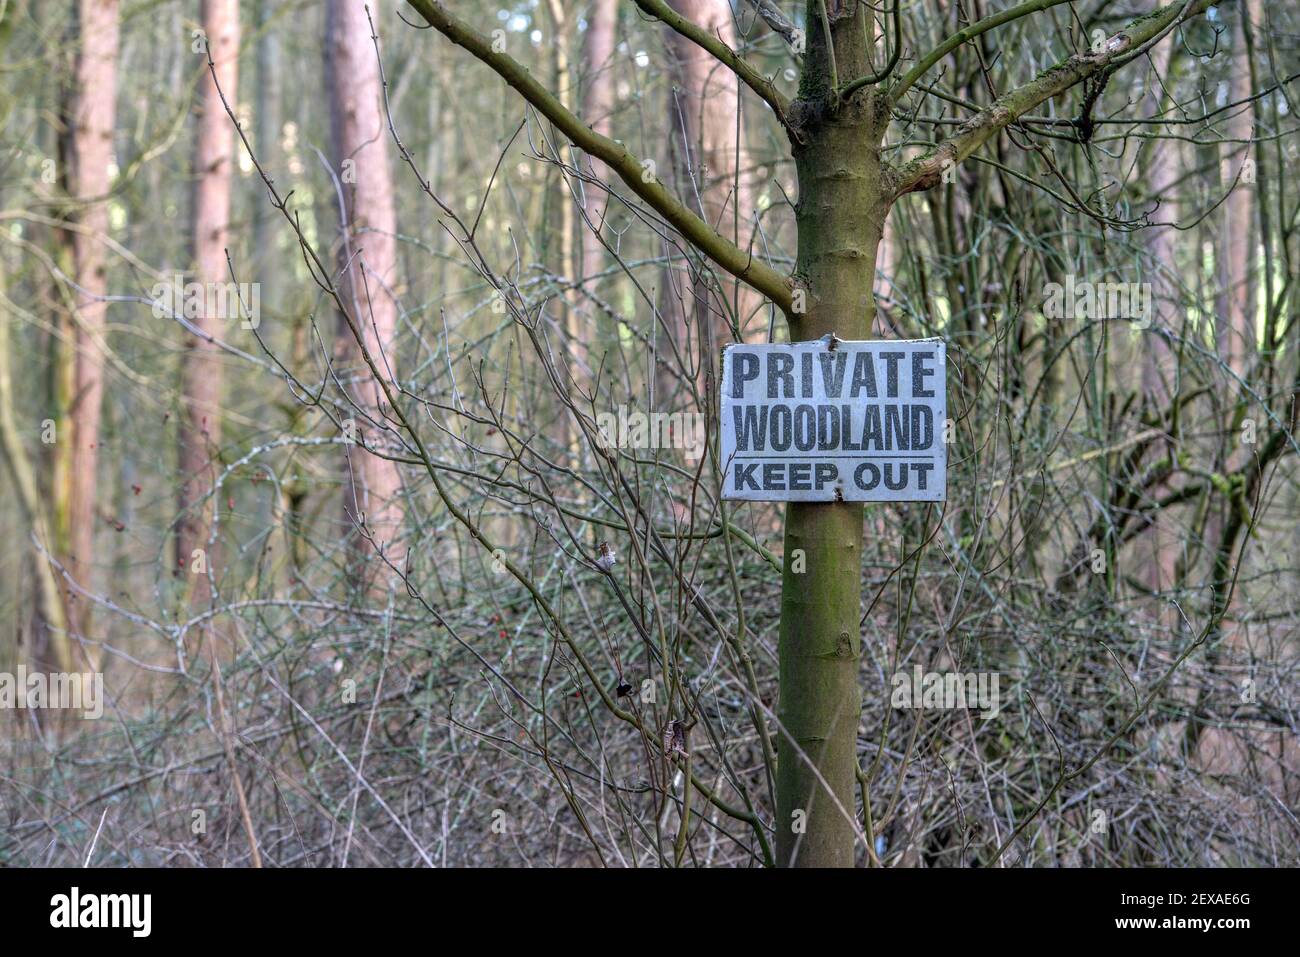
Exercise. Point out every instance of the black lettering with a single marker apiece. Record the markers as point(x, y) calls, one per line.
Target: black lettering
point(828, 428)
point(744, 367)
point(832, 382)
point(891, 372)
point(864, 376)
point(751, 428)
point(871, 433)
point(805, 427)
point(919, 391)
point(780, 434)
point(846, 416)
point(895, 431)
point(875, 476)
point(922, 427)
point(779, 365)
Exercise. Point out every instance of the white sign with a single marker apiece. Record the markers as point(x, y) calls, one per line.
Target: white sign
point(831, 420)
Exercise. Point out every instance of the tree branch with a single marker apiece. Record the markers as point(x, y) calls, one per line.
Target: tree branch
point(924, 171)
point(853, 86)
point(775, 19)
point(961, 36)
point(616, 156)
point(760, 84)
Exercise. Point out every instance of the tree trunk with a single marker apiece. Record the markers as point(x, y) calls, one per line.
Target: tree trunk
point(713, 176)
point(50, 634)
point(1161, 172)
point(840, 215)
point(270, 128)
point(368, 258)
point(597, 107)
point(560, 207)
point(891, 258)
point(1156, 357)
point(92, 153)
point(1235, 307)
point(201, 372)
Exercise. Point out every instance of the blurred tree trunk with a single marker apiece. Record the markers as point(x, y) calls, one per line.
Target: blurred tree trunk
point(597, 107)
point(599, 97)
point(1154, 354)
point(368, 261)
point(50, 629)
point(91, 155)
point(201, 371)
point(558, 197)
point(712, 173)
point(1161, 174)
point(890, 258)
point(560, 206)
point(1237, 345)
point(442, 156)
point(1236, 301)
point(50, 647)
point(270, 125)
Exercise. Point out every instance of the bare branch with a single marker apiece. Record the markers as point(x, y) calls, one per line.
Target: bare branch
point(964, 35)
point(632, 171)
point(660, 10)
point(925, 171)
point(776, 19)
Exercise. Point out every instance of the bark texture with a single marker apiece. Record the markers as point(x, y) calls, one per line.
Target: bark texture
point(597, 107)
point(89, 180)
point(201, 369)
point(843, 200)
point(1235, 307)
point(712, 172)
point(368, 257)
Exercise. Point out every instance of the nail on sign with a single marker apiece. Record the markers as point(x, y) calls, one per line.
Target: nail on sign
point(831, 420)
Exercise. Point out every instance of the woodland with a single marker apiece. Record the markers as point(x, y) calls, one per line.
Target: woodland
point(360, 456)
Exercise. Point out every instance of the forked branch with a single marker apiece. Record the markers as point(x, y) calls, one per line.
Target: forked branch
point(926, 170)
point(637, 175)
point(660, 10)
point(776, 20)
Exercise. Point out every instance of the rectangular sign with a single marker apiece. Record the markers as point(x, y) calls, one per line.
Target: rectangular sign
point(833, 420)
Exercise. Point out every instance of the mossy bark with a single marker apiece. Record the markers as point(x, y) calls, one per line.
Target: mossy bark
point(843, 198)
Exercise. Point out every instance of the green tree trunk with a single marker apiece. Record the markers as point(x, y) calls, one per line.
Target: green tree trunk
point(843, 199)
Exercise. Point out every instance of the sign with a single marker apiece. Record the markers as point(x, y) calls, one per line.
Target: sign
point(830, 421)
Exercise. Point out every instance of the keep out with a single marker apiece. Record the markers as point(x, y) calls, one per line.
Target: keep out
point(868, 476)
